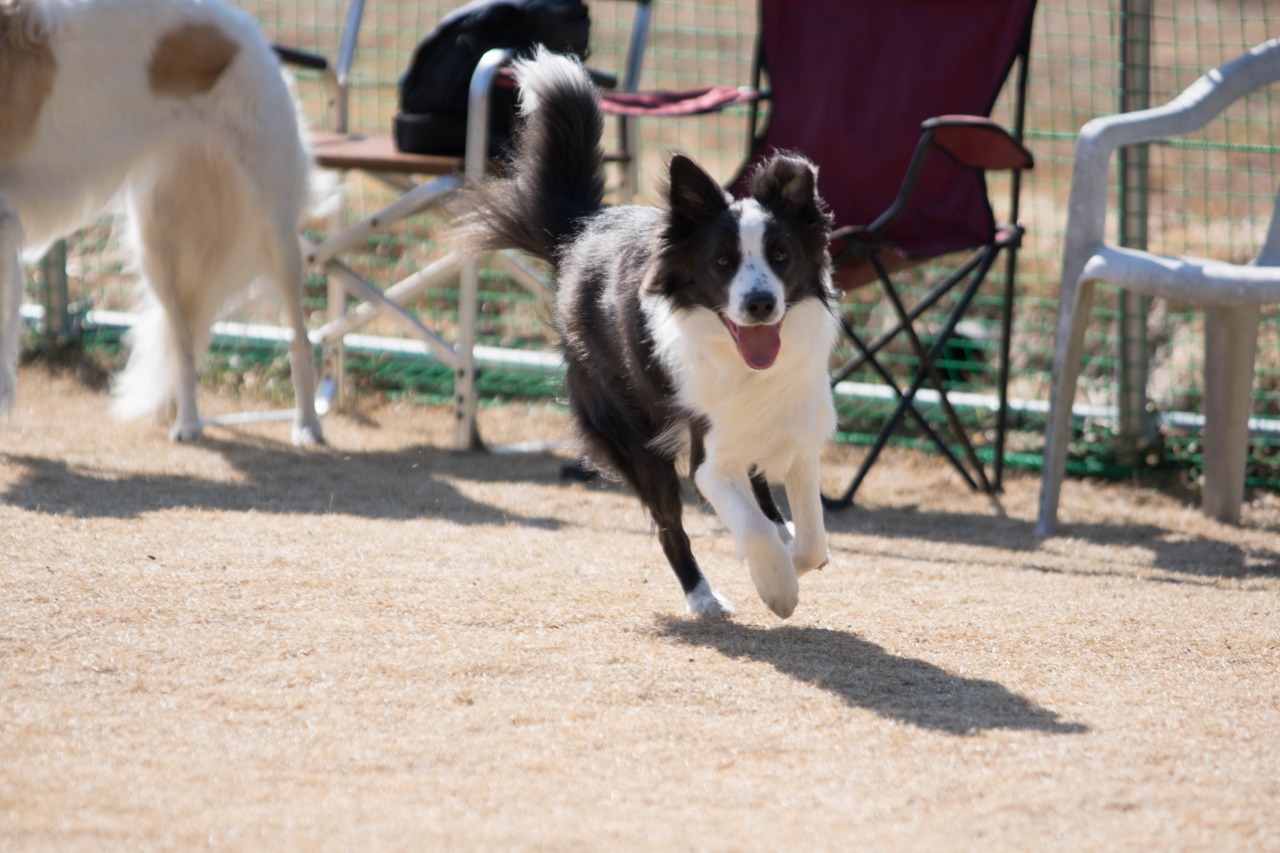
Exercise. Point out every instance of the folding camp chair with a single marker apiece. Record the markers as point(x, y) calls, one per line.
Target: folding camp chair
point(426, 182)
point(875, 93)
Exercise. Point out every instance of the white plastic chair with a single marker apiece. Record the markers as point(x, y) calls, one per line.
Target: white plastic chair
point(1230, 293)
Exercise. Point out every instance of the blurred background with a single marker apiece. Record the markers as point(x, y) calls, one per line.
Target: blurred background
point(1210, 195)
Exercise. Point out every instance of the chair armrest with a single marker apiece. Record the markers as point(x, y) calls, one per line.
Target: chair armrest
point(1197, 280)
point(482, 80)
point(978, 142)
point(300, 58)
point(603, 79)
point(336, 75)
point(973, 141)
point(332, 82)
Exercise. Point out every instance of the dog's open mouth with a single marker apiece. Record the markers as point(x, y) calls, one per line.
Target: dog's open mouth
point(758, 344)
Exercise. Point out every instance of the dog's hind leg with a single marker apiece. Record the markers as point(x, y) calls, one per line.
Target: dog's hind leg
point(662, 497)
point(657, 483)
point(286, 265)
point(192, 221)
point(162, 361)
point(163, 348)
point(11, 281)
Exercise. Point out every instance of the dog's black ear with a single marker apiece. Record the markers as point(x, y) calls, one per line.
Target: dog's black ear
point(693, 196)
point(787, 183)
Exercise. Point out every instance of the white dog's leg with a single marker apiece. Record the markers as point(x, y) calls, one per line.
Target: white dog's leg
point(11, 287)
point(756, 536)
point(288, 275)
point(186, 424)
point(162, 361)
point(809, 550)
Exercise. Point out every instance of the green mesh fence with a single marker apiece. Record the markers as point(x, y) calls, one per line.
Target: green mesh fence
point(1211, 194)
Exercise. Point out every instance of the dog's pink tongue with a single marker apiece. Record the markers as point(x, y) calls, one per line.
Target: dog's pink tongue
point(759, 345)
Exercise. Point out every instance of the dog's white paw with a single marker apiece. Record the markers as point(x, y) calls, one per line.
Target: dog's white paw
point(308, 434)
point(806, 563)
point(809, 552)
point(706, 602)
point(809, 556)
point(186, 432)
point(773, 574)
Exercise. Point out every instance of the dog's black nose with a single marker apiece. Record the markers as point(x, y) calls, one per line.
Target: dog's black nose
point(759, 304)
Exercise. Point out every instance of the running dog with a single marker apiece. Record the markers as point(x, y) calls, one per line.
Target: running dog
point(700, 329)
point(177, 109)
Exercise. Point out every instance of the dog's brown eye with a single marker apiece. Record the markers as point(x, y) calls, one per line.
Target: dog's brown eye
point(722, 260)
point(780, 255)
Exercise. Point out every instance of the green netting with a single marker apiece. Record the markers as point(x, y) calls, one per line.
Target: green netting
point(1210, 194)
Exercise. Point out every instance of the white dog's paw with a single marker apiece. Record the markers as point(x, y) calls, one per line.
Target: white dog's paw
point(706, 602)
point(308, 434)
point(774, 575)
point(806, 564)
point(809, 551)
point(186, 432)
point(809, 558)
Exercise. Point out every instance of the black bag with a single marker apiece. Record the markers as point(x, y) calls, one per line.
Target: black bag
point(433, 90)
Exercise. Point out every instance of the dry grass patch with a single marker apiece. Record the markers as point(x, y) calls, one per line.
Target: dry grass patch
point(383, 644)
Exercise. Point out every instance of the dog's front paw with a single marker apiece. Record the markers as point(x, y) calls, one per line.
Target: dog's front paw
point(706, 602)
point(805, 563)
point(774, 575)
point(186, 432)
point(809, 551)
point(809, 559)
point(308, 434)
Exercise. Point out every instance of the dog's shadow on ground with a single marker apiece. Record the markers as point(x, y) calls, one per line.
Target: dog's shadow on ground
point(411, 483)
point(864, 675)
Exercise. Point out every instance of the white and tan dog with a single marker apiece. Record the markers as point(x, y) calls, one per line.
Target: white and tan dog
point(179, 110)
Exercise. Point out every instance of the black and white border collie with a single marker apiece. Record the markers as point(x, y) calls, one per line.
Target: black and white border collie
point(698, 330)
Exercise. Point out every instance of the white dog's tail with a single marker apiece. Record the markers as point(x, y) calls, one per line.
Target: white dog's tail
point(148, 382)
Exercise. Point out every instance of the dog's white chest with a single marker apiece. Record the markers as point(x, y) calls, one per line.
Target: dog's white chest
point(763, 417)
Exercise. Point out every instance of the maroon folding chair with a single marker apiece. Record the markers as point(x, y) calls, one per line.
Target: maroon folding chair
point(892, 98)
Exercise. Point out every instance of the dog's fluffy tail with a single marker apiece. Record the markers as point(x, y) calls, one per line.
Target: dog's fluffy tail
point(555, 175)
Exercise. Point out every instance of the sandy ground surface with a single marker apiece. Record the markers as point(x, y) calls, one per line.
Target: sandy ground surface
point(386, 645)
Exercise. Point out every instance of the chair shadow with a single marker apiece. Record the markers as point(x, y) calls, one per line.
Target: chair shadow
point(412, 483)
point(864, 675)
point(1173, 552)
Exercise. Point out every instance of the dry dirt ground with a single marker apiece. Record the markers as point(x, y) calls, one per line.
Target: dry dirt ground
point(385, 645)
